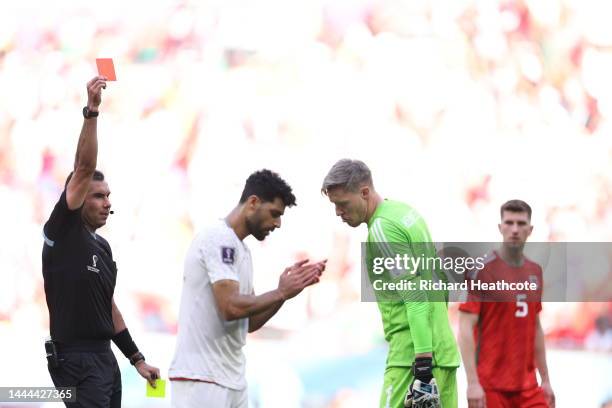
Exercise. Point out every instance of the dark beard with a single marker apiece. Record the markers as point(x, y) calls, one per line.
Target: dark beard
point(254, 227)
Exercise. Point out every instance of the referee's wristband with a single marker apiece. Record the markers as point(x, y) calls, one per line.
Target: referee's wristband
point(124, 342)
point(136, 358)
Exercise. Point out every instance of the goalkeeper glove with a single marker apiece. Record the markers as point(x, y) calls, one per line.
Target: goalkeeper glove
point(423, 392)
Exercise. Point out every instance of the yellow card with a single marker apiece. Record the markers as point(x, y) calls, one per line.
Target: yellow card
point(159, 391)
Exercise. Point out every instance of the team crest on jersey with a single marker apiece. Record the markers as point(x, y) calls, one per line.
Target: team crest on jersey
point(534, 279)
point(227, 255)
point(410, 218)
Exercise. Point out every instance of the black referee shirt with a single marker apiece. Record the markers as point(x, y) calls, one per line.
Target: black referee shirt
point(80, 275)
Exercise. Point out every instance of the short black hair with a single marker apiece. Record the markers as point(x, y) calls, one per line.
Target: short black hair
point(267, 185)
point(97, 176)
point(515, 206)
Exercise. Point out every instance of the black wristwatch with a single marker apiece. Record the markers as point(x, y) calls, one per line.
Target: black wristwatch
point(89, 114)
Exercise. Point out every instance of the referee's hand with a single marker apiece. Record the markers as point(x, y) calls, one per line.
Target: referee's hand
point(148, 372)
point(94, 92)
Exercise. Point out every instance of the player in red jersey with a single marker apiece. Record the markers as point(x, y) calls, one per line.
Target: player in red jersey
point(501, 341)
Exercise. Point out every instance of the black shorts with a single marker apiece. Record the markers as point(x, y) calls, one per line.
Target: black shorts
point(95, 375)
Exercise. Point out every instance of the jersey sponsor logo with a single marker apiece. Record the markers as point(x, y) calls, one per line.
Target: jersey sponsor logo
point(227, 255)
point(92, 267)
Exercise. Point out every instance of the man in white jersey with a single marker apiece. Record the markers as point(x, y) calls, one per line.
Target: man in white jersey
point(218, 304)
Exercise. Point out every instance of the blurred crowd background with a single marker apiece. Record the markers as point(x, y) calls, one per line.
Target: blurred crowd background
point(456, 105)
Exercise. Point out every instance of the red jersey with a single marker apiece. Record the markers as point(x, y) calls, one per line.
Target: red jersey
point(505, 333)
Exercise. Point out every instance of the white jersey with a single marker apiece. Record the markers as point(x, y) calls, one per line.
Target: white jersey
point(209, 348)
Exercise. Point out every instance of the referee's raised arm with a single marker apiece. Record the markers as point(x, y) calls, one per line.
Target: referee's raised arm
point(87, 148)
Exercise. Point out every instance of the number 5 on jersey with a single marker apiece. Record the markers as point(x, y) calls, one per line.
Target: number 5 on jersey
point(521, 306)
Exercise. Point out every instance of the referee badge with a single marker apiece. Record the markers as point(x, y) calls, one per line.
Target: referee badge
point(94, 261)
point(227, 255)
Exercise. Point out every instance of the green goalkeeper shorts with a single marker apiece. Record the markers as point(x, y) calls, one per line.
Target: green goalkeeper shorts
point(398, 379)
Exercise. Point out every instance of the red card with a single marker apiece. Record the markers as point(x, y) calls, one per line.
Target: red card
point(106, 68)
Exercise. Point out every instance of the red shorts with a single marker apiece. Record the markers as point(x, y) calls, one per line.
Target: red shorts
point(532, 398)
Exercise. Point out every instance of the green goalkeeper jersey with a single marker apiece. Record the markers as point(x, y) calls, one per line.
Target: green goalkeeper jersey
point(415, 321)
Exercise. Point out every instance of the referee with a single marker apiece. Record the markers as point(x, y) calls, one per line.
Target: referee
point(79, 275)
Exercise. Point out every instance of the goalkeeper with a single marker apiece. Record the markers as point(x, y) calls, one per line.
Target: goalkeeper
point(423, 357)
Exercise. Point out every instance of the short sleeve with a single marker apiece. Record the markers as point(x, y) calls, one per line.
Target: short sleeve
point(474, 297)
point(538, 305)
point(219, 254)
point(60, 221)
point(472, 304)
point(470, 307)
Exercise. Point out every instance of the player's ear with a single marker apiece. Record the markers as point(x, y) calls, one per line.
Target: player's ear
point(365, 192)
point(530, 229)
point(499, 228)
point(253, 202)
